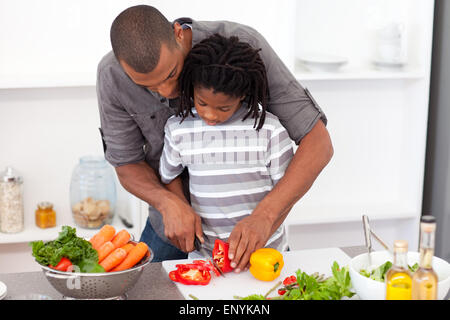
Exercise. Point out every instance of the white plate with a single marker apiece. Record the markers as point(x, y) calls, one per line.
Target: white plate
point(322, 62)
point(3, 290)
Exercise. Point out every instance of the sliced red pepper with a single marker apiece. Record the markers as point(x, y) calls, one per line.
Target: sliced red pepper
point(62, 265)
point(173, 275)
point(191, 274)
point(208, 264)
point(220, 255)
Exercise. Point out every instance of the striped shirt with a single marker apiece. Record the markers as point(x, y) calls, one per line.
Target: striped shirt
point(231, 166)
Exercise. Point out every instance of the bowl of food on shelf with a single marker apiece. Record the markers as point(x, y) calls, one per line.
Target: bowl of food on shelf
point(105, 266)
point(368, 277)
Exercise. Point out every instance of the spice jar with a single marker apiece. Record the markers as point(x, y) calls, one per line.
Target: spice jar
point(45, 215)
point(11, 201)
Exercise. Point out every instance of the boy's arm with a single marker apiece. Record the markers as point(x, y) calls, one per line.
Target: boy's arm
point(312, 155)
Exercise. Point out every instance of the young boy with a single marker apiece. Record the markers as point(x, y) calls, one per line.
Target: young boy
point(235, 150)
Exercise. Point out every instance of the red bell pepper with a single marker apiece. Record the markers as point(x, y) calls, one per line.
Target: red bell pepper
point(191, 274)
point(220, 255)
point(62, 265)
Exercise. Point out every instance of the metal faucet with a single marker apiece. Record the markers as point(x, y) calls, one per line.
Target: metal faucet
point(368, 233)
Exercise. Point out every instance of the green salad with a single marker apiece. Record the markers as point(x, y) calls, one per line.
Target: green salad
point(78, 250)
point(311, 287)
point(379, 273)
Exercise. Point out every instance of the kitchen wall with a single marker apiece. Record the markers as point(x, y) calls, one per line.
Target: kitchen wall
point(44, 132)
point(49, 51)
point(52, 42)
point(48, 107)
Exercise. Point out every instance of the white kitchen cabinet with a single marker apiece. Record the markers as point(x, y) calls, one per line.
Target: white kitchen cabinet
point(377, 118)
point(377, 121)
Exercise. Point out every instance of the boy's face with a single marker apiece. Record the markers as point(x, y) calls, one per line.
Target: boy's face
point(215, 107)
point(164, 78)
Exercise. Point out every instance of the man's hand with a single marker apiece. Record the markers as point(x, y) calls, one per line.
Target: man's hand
point(180, 220)
point(181, 223)
point(249, 234)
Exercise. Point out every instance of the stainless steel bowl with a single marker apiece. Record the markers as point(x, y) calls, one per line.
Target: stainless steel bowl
point(108, 285)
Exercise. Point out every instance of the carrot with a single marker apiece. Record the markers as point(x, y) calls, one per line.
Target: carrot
point(105, 234)
point(128, 247)
point(133, 257)
point(121, 238)
point(104, 250)
point(114, 259)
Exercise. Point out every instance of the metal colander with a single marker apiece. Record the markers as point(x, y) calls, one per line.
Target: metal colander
point(108, 285)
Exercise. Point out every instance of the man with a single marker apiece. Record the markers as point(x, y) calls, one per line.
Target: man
point(137, 92)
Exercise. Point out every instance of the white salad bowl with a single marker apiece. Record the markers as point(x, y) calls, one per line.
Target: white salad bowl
point(369, 289)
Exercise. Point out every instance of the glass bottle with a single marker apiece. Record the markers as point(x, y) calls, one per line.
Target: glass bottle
point(45, 215)
point(425, 279)
point(398, 277)
point(11, 201)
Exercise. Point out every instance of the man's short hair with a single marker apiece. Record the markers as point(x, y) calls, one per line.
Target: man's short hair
point(137, 34)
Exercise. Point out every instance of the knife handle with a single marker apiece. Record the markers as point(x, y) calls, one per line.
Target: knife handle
point(197, 244)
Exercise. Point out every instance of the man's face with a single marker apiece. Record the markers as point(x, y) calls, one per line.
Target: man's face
point(164, 78)
point(215, 107)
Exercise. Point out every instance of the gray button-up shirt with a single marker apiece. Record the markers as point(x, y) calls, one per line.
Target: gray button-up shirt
point(133, 118)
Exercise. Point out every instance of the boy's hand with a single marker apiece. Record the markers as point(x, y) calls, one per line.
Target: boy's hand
point(249, 234)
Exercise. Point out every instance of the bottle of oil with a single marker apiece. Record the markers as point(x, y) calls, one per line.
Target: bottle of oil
point(398, 277)
point(425, 280)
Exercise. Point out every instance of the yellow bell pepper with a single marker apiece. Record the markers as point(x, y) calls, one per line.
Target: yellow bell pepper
point(266, 264)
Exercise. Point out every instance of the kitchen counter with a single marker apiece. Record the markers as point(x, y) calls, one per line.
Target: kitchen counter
point(154, 284)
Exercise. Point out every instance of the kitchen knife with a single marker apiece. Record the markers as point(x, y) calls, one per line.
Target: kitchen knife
point(204, 253)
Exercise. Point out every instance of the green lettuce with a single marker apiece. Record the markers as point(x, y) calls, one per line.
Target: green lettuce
point(309, 287)
point(379, 273)
point(78, 250)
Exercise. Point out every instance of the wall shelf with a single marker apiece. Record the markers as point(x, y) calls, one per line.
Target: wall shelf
point(28, 81)
point(304, 215)
point(50, 80)
point(33, 233)
point(361, 74)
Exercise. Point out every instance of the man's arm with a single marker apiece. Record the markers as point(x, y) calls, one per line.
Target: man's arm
point(313, 154)
point(179, 219)
point(176, 187)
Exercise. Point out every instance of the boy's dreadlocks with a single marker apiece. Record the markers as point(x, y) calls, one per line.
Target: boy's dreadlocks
point(228, 66)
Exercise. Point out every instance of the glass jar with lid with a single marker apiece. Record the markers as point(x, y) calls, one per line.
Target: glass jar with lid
point(11, 201)
point(93, 192)
point(45, 215)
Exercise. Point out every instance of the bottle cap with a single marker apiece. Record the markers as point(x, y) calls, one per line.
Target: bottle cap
point(10, 175)
point(428, 219)
point(401, 244)
point(45, 205)
point(428, 224)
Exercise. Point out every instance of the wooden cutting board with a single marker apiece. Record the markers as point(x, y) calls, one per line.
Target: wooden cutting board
point(244, 284)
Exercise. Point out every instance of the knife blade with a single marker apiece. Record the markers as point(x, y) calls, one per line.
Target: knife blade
point(204, 253)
